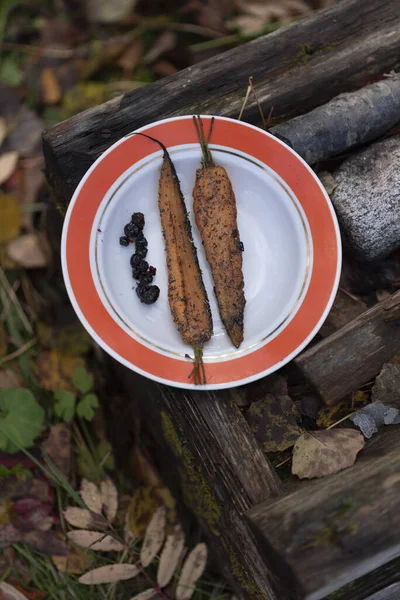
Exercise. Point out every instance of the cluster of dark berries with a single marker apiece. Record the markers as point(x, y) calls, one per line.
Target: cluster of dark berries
point(140, 267)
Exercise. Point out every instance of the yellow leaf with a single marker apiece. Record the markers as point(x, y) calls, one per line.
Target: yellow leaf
point(109, 499)
point(170, 556)
point(50, 86)
point(74, 563)
point(10, 220)
point(145, 501)
point(328, 415)
point(109, 574)
point(192, 570)
point(8, 164)
point(91, 496)
point(94, 540)
point(55, 370)
point(154, 537)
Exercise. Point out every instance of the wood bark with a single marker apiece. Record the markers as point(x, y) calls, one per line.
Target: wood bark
point(207, 454)
point(334, 530)
point(354, 355)
point(345, 122)
point(294, 70)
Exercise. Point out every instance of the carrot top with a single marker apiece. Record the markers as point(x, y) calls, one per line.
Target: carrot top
point(207, 160)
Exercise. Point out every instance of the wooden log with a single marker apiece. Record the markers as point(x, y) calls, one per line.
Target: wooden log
point(345, 122)
point(334, 530)
point(295, 69)
point(379, 584)
point(354, 355)
point(208, 456)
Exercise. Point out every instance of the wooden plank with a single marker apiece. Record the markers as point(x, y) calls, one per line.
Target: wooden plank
point(355, 354)
point(207, 454)
point(334, 530)
point(295, 69)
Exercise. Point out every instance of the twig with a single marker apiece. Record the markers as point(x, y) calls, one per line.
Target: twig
point(248, 92)
point(341, 420)
point(350, 295)
point(283, 462)
point(258, 103)
point(18, 352)
point(16, 302)
point(39, 50)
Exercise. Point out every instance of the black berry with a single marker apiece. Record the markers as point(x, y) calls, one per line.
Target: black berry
point(145, 279)
point(136, 273)
point(241, 247)
point(152, 270)
point(131, 230)
point(136, 260)
point(140, 239)
point(141, 251)
point(144, 265)
point(138, 219)
point(124, 241)
point(148, 293)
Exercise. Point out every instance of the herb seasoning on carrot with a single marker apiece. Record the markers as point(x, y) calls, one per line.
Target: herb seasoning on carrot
point(214, 207)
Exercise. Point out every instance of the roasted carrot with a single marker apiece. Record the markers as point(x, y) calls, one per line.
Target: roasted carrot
point(187, 296)
point(214, 207)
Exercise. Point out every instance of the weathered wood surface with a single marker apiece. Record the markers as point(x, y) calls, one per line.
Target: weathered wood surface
point(345, 122)
point(333, 530)
point(222, 472)
point(355, 354)
point(379, 584)
point(295, 69)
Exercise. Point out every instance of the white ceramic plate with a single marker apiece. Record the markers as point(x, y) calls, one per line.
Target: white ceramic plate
point(291, 261)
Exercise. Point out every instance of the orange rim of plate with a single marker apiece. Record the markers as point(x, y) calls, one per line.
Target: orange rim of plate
point(173, 370)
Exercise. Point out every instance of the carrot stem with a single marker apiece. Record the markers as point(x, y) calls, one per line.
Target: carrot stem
point(207, 157)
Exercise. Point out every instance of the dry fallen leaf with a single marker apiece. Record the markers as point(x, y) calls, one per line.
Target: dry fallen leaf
point(146, 595)
point(3, 130)
point(30, 251)
point(321, 453)
point(164, 43)
point(58, 447)
point(154, 536)
point(8, 164)
point(74, 563)
point(258, 13)
point(192, 570)
point(170, 556)
point(50, 86)
point(328, 415)
point(9, 592)
point(88, 539)
point(91, 496)
point(274, 422)
point(109, 574)
point(55, 370)
point(84, 519)
point(10, 221)
point(109, 499)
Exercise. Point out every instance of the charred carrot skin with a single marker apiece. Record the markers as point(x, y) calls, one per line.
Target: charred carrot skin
point(214, 207)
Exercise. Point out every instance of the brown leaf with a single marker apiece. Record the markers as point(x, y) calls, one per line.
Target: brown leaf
point(30, 251)
point(145, 595)
point(58, 447)
point(3, 130)
point(10, 379)
point(91, 496)
point(10, 221)
point(170, 556)
point(74, 563)
point(321, 453)
point(164, 43)
point(50, 86)
point(55, 370)
point(154, 537)
point(84, 519)
point(386, 388)
point(109, 499)
point(192, 570)
point(328, 415)
point(273, 421)
point(94, 540)
point(46, 542)
point(131, 56)
point(8, 164)
point(109, 574)
point(258, 13)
